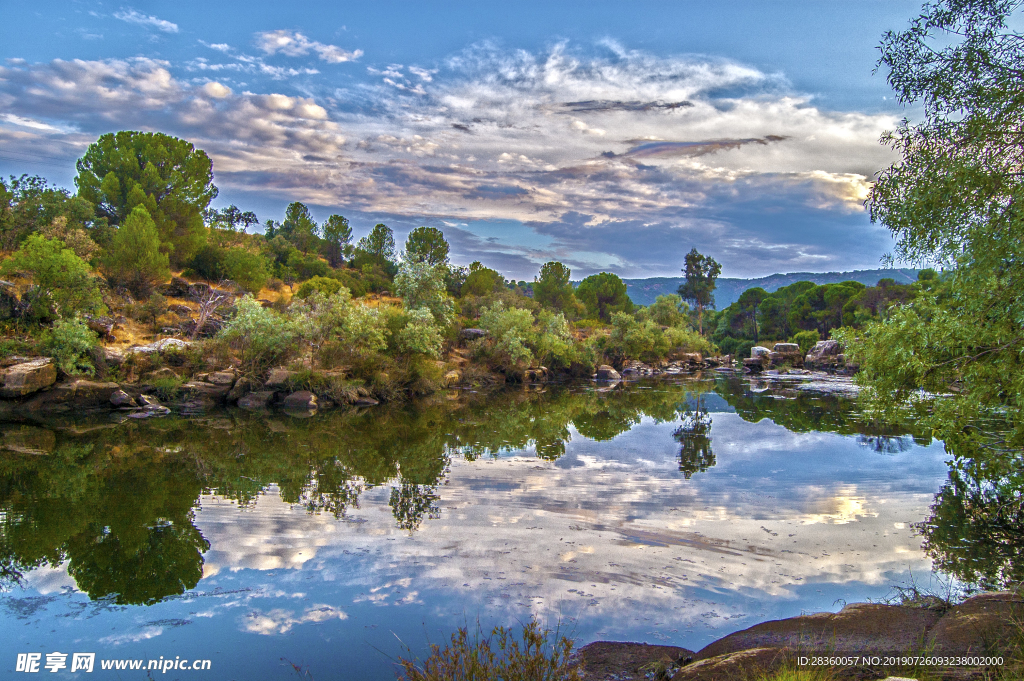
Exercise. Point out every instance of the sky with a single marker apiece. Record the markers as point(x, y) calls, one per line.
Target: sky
point(612, 136)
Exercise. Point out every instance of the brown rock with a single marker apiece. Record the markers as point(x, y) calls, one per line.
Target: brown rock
point(28, 377)
point(243, 386)
point(223, 378)
point(452, 378)
point(691, 357)
point(884, 629)
point(201, 390)
point(607, 373)
point(278, 378)
point(737, 666)
point(122, 399)
point(984, 624)
point(301, 400)
point(257, 400)
point(79, 393)
point(626, 661)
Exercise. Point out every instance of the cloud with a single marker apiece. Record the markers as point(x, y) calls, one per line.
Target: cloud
point(295, 44)
point(280, 621)
point(134, 17)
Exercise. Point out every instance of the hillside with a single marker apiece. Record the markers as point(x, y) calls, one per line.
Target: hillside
point(644, 291)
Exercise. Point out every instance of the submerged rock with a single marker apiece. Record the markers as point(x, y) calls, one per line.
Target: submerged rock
point(608, 373)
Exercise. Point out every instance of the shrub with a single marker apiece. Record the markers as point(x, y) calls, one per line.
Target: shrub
point(669, 310)
point(510, 331)
point(73, 237)
point(422, 286)
point(63, 287)
point(69, 343)
point(261, 338)
point(482, 281)
point(555, 346)
point(806, 340)
point(337, 324)
point(324, 285)
point(249, 270)
point(152, 310)
point(635, 339)
point(133, 258)
point(306, 266)
point(420, 335)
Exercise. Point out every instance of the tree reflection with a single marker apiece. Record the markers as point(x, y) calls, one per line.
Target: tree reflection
point(694, 438)
point(410, 502)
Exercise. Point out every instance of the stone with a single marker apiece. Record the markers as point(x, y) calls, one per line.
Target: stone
point(223, 378)
point(8, 301)
point(203, 391)
point(365, 402)
point(759, 351)
point(120, 398)
point(163, 373)
point(256, 401)
point(300, 400)
point(28, 377)
point(691, 358)
point(160, 346)
point(148, 401)
point(472, 334)
point(177, 288)
point(29, 440)
point(884, 629)
point(824, 354)
point(627, 661)
point(744, 664)
point(786, 347)
point(608, 373)
point(982, 625)
point(78, 393)
point(278, 378)
point(452, 378)
point(104, 326)
point(113, 357)
point(754, 364)
point(242, 387)
point(534, 375)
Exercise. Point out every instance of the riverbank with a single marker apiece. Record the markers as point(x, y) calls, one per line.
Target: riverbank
point(981, 638)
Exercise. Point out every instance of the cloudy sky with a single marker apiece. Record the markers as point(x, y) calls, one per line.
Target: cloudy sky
point(608, 135)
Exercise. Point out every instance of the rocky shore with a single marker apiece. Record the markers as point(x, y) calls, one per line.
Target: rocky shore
point(867, 638)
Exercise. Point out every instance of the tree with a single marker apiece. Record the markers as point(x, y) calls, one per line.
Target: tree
point(481, 281)
point(553, 289)
point(427, 244)
point(337, 239)
point(669, 310)
point(299, 227)
point(701, 272)
point(168, 176)
point(134, 259)
point(63, 287)
point(749, 302)
point(422, 286)
point(379, 244)
point(603, 294)
point(231, 218)
point(29, 204)
point(954, 199)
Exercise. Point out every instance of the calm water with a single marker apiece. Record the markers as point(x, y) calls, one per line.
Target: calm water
point(674, 512)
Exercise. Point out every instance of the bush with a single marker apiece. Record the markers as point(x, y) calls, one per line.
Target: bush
point(510, 333)
point(152, 310)
point(69, 343)
point(208, 263)
point(337, 328)
point(555, 346)
point(63, 287)
point(806, 340)
point(669, 310)
point(133, 258)
point(306, 266)
point(260, 338)
point(422, 286)
point(420, 335)
point(249, 270)
point(324, 285)
point(482, 281)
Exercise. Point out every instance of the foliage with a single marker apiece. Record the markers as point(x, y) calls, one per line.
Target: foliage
point(169, 177)
point(69, 343)
point(481, 281)
point(553, 289)
point(323, 319)
point(701, 272)
point(510, 332)
point(133, 259)
point(954, 199)
point(307, 265)
point(74, 238)
point(231, 218)
point(535, 659)
point(379, 245)
point(421, 285)
point(669, 310)
point(427, 244)
point(29, 204)
point(637, 336)
point(63, 286)
point(249, 270)
point(806, 340)
point(603, 295)
point(152, 309)
point(421, 334)
point(555, 347)
point(261, 338)
point(299, 227)
point(337, 239)
point(324, 285)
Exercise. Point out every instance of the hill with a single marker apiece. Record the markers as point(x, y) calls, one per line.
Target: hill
point(644, 291)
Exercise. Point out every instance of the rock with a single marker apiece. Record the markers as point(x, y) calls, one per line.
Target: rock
point(160, 346)
point(243, 386)
point(472, 334)
point(104, 326)
point(759, 351)
point(28, 377)
point(636, 367)
point(120, 398)
point(607, 373)
point(8, 301)
point(148, 401)
point(452, 378)
point(257, 400)
point(223, 378)
point(535, 374)
point(824, 354)
point(203, 392)
point(883, 629)
point(300, 400)
point(791, 358)
point(79, 394)
point(754, 364)
point(29, 440)
point(163, 373)
point(691, 358)
point(982, 625)
point(278, 378)
point(113, 357)
point(198, 290)
point(786, 347)
point(745, 664)
point(365, 402)
point(627, 661)
point(178, 288)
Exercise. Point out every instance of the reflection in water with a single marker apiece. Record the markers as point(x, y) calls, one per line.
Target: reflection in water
point(694, 438)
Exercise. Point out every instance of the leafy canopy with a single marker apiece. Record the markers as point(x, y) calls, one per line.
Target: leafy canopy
point(134, 259)
point(701, 272)
point(63, 286)
point(427, 244)
point(603, 295)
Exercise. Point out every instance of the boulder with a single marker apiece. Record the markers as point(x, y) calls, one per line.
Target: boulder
point(472, 334)
point(223, 378)
point(982, 625)
point(27, 377)
point(163, 373)
point(607, 373)
point(883, 629)
point(759, 351)
point(786, 347)
point(300, 400)
point(365, 402)
point(113, 357)
point(452, 378)
point(754, 364)
point(177, 288)
point(791, 358)
point(160, 346)
point(205, 392)
point(257, 400)
point(691, 358)
point(753, 663)
point(103, 326)
point(628, 661)
point(8, 301)
point(120, 398)
point(278, 378)
point(242, 387)
point(535, 374)
point(824, 354)
point(148, 401)
point(77, 393)
point(29, 440)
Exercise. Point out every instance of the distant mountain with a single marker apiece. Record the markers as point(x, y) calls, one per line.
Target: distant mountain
point(644, 291)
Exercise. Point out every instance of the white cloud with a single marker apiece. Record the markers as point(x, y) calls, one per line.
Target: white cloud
point(295, 44)
point(134, 17)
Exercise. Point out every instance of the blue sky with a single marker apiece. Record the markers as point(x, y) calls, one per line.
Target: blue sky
point(610, 136)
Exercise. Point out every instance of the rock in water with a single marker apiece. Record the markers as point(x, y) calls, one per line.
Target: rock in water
point(301, 400)
point(607, 373)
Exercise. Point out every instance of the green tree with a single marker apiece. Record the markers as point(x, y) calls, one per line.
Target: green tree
point(379, 244)
point(29, 204)
point(168, 176)
point(554, 290)
point(749, 303)
point(249, 270)
point(62, 287)
point(603, 294)
point(482, 281)
point(422, 286)
point(701, 273)
point(427, 244)
point(669, 310)
point(299, 227)
point(232, 218)
point(337, 240)
point(954, 199)
point(133, 259)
